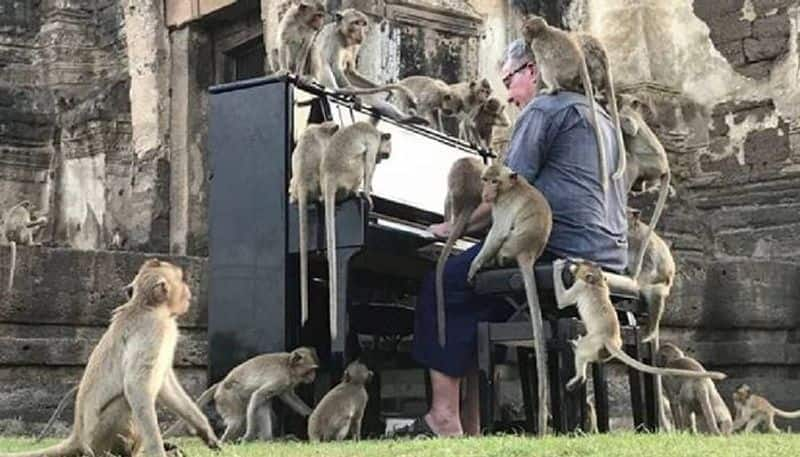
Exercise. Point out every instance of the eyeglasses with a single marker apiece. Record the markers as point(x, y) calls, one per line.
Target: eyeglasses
point(507, 78)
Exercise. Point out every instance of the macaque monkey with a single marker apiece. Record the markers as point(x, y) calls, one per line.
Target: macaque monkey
point(562, 66)
point(687, 396)
point(341, 410)
point(657, 276)
point(348, 162)
point(244, 397)
point(489, 115)
point(296, 33)
point(603, 83)
point(339, 43)
point(647, 163)
point(117, 242)
point(752, 410)
point(603, 339)
point(473, 94)
point(521, 224)
point(18, 228)
point(304, 186)
point(434, 99)
point(463, 196)
point(129, 370)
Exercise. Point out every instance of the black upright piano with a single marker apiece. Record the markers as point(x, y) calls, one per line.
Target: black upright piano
point(254, 277)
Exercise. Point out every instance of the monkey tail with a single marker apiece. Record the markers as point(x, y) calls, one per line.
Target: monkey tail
point(622, 160)
point(12, 265)
point(787, 414)
point(61, 405)
point(708, 412)
point(458, 228)
point(303, 222)
point(601, 148)
point(627, 360)
point(67, 448)
point(535, 309)
point(329, 196)
point(662, 200)
point(204, 398)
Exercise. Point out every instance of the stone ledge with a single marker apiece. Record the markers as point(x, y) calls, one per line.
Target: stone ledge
point(57, 286)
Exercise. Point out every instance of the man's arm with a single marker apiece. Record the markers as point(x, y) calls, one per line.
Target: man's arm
point(529, 143)
point(481, 218)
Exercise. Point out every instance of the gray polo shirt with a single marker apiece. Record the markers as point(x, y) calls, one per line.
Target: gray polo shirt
point(553, 146)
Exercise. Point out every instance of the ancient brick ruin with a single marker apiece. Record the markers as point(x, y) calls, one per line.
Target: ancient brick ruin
point(102, 126)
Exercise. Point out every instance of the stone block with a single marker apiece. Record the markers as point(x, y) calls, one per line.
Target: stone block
point(85, 285)
point(772, 26)
point(764, 48)
point(728, 27)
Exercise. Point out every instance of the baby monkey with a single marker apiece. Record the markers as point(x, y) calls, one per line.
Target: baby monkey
point(693, 396)
point(753, 410)
point(603, 339)
point(341, 410)
point(19, 228)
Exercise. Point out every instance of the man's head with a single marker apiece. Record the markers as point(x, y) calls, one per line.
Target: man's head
point(519, 73)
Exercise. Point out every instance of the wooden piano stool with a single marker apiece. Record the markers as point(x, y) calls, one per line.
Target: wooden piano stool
point(568, 409)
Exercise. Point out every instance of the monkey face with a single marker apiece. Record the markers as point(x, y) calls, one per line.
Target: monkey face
point(357, 373)
point(588, 272)
point(481, 89)
point(450, 104)
point(741, 394)
point(352, 25)
point(385, 147)
point(314, 13)
point(533, 26)
point(497, 179)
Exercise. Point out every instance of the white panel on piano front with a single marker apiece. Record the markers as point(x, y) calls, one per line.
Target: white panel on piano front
point(416, 173)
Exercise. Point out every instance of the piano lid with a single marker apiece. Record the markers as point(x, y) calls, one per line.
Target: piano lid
point(416, 173)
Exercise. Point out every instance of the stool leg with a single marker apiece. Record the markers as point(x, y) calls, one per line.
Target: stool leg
point(528, 383)
point(556, 384)
point(600, 396)
point(485, 378)
point(573, 406)
point(635, 380)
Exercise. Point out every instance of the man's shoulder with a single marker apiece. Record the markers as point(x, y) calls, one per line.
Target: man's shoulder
point(551, 104)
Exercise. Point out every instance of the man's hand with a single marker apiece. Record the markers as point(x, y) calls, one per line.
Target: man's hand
point(441, 230)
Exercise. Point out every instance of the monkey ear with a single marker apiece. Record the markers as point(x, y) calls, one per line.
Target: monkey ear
point(295, 357)
point(513, 176)
point(128, 289)
point(338, 17)
point(159, 293)
point(346, 376)
point(628, 125)
point(386, 136)
point(152, 263)
point(472, 84)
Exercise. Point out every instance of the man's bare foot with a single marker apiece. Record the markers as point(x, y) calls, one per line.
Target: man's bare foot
point(444, 425)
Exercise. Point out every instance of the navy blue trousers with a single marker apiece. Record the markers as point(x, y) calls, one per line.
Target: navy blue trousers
point(464, 309)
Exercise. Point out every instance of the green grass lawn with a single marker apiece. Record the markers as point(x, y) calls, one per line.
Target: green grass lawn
point(617, 445)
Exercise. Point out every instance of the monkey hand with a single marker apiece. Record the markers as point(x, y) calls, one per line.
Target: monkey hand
point(211, 440)
point(473, 270)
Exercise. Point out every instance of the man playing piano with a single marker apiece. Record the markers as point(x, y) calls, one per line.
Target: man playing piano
point(553, 146)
